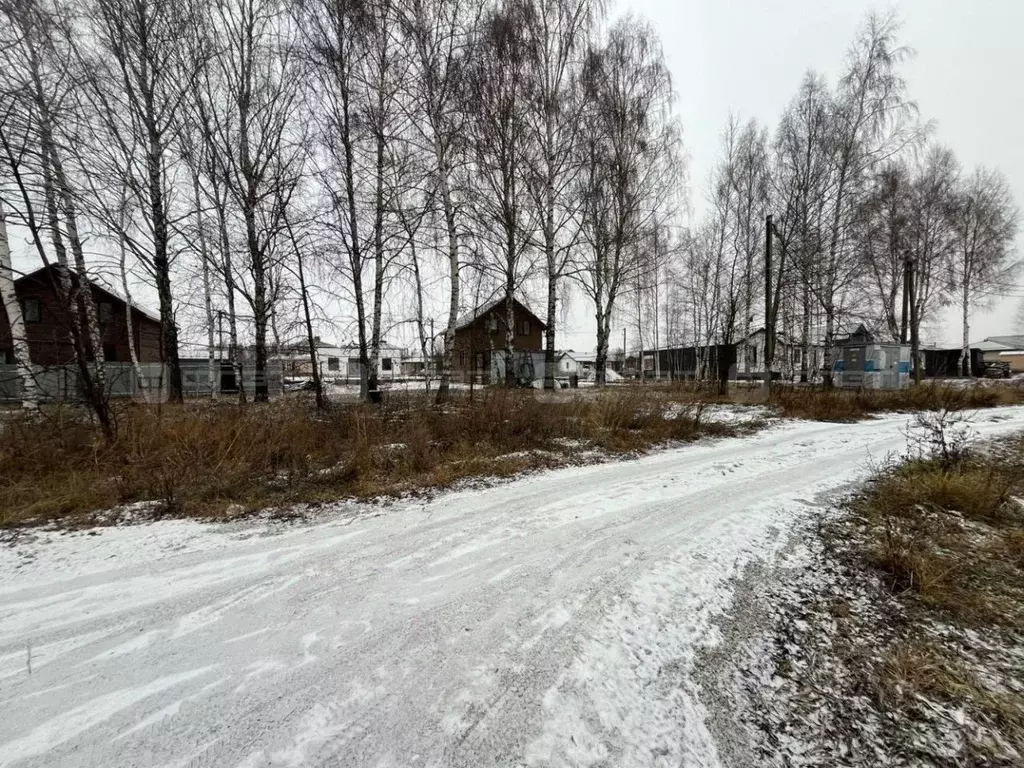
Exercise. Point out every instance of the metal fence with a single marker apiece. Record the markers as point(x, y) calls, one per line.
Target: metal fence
point(63, 383)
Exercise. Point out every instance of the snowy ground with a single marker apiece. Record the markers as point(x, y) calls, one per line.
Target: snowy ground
point(552, 621)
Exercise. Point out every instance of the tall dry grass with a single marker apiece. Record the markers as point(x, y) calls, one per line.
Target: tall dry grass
point(204, 458)
point(949, 532)
point(843, 405)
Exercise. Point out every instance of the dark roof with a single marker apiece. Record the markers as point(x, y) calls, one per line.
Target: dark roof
point(483, 309)
point(860, 336)
point(114, 294)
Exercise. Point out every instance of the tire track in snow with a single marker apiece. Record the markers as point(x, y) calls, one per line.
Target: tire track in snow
point(548, 621)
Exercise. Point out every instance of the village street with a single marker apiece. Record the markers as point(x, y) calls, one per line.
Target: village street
point(549, 621)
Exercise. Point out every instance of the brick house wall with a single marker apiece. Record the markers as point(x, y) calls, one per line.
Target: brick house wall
point(48, 336)
point(476, 340)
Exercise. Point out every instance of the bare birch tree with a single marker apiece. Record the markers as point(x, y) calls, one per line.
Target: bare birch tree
point(40, 78)
point(253, 113)
point(985, 221)
point(870, 123)
point(559, 32)
point(629, 156)
point(499, 91)
point(16, 321)
point(144, 59)
point(438, 34)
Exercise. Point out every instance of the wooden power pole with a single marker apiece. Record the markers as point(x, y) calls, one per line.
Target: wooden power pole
point(769, 320)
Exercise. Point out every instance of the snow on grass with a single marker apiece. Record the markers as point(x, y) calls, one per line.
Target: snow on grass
point(556, 620)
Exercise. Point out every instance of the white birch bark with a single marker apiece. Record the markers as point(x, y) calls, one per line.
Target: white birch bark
point(128, 307)
point(16, 321)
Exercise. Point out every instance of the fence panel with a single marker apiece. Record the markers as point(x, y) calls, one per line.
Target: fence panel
point(62, 383)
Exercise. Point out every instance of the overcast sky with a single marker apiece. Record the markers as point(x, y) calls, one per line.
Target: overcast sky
point(748, 56)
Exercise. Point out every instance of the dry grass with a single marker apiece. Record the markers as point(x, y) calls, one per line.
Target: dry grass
point(204, 458)
point(914, 670)
point(948, 536)
point(952, 535)
point(800, 401)
point(852, 405)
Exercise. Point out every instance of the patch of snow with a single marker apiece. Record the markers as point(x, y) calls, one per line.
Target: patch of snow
point(557, 619)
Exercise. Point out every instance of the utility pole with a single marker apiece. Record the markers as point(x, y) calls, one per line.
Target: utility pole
point(220, 334)
point(907, 277)
point(623, 349)
point(915, 342)
point(769, 325)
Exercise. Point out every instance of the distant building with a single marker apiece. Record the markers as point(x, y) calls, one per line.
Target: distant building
point(335, 361)
point(566, 364)
point(47, 324)
point(744, 360)
point(861, 362)
point(788, 361)
point(480, 344)
point(1002, 350)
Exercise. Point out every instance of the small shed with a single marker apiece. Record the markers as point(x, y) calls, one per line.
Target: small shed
point(863, 363)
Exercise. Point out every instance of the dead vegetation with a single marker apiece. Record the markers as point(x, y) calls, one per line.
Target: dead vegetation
point(900, 642)
point(211, 459)
point(853, 405)
point(945, 530)
point(814, 403)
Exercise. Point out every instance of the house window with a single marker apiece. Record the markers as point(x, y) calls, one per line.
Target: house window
point(333, 364)
point(753, 355)
point(524, 327)
point(492, 324)
point(110, 352)
point(32, 310)
point(7, 356)
point(106, 312)
point(385, 364)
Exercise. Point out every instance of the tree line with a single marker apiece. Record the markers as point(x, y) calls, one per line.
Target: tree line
point(254, 146)
point(873, 221)
point(408, 152)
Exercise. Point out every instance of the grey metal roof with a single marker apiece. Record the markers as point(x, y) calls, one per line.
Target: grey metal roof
point(1010, 342)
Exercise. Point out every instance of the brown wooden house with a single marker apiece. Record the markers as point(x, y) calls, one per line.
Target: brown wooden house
point(479, 346)
point(46, 324)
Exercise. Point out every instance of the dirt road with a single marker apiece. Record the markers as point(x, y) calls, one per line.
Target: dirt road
point(551, 621)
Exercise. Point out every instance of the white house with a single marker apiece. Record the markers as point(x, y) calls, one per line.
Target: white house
point(338, 361)
point(566, 364)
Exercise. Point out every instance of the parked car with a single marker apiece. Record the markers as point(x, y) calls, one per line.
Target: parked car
point(298, 385)
point(999, 370)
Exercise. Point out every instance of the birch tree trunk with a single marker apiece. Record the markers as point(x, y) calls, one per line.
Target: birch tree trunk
point(510, 331)
point(318, 387)
point(16, 321)
point(123, 265)
point(378, 257)
point(208, 305)
point(448, 351)
point(227, 270)
point(421, 329)
point(965, 349)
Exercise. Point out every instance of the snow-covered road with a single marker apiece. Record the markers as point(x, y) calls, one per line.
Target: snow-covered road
point(551, 621)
